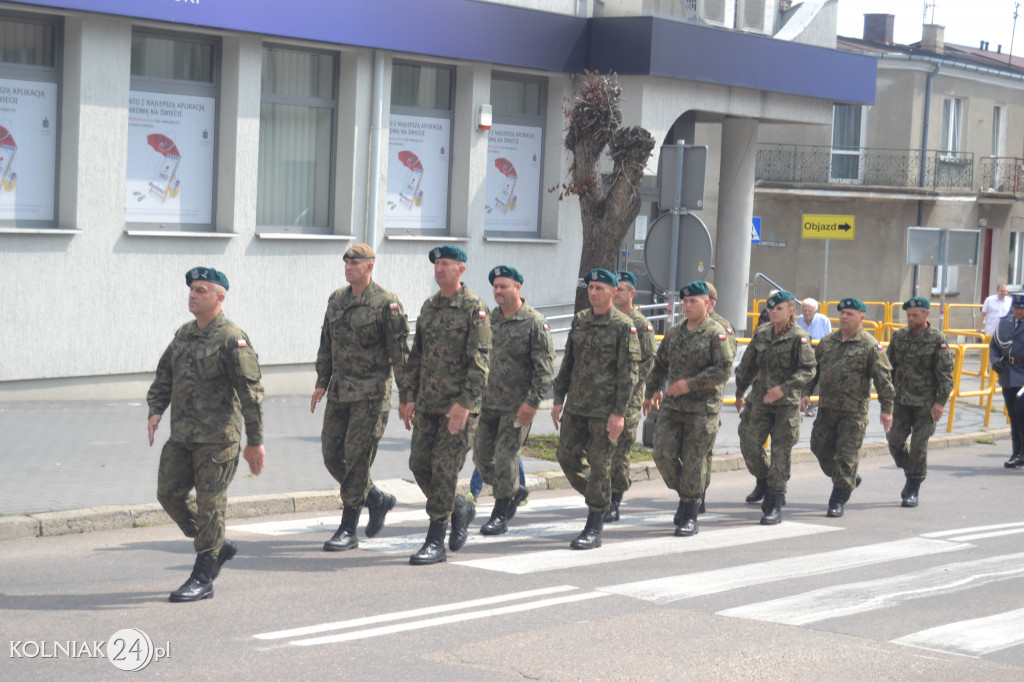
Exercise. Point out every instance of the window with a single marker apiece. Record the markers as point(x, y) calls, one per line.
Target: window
point(948, 276)
point(29, 130)
point(419, 149)
point(297, 113)
point(1015, 271)
point(952, 117)
point(515, 165)
point(847, 122)
point(172, 124)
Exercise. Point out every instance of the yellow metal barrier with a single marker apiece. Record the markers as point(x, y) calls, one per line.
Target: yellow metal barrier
point(958, 371)
point(962, 332)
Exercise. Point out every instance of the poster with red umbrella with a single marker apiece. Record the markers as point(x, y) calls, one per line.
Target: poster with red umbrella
point(411, 185)
point(418, 173)
point(8, 148)
point(513, 182)
point(506, 199)
point(164, 182)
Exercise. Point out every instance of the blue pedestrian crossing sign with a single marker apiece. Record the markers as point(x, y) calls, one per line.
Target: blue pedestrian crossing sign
point(755, 230)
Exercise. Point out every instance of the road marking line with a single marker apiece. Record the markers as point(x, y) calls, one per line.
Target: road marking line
point(413, 613)
point(975, 637)
point(674, 588)
point(873, 595)
point(552, 560)
point(985, 536)
point(447, 620)
point(975, 529)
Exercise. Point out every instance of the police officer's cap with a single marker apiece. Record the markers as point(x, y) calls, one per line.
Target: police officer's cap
point(504, 271)
point(448, 251)
point(359, 251)
point(854, 303)
point(1018, 301)
point(779, 297)
point(601, 275)
point(917, 302)
point(695, 288)
point(627, 277)
point(206, 275)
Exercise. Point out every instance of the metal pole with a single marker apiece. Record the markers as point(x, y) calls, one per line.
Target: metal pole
point(677, 209)
point(824, 290)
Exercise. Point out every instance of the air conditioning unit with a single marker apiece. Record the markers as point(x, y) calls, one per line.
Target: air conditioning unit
point(717, 12)
point(756, 16)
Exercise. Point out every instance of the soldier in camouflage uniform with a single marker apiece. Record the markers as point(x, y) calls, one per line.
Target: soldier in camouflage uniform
point(695, 357)
point(519, 377)
point(731, 333)
point(849, 360)
point(363, 339)
point(210, 377)
point(922, 374)
point(440, 395)
point(776, 365)
point(623, 302)
point(595, 381)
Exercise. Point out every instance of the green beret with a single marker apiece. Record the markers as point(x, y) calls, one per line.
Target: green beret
point(206, 275)
point(504, 271)
point(779, 297)
point(627, 276)
point(916, 302)
point(695, 288)
point(447, 251)
point(601, 275)
point(854, 303)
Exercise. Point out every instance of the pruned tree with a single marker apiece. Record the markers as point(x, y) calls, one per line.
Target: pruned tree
point(608, 204)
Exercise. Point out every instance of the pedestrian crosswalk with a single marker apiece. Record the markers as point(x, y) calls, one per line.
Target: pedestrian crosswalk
point(803, 588)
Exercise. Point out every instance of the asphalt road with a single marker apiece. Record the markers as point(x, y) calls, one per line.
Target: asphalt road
point(883, 593)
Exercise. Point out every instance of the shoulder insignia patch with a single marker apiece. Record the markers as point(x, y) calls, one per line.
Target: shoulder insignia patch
point(393, 306)
point(729, 330)
point(722, 337)
point(879, 346)
point(632, 329)
point(242, 343)
point(481, 313)
point(546, 327)
point(803, 339)
point(650, 328)
point(943, 346)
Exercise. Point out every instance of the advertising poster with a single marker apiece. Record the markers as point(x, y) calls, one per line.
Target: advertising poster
point(170, 158)
point(28, 149)
point(513, 178)
point(419, 154)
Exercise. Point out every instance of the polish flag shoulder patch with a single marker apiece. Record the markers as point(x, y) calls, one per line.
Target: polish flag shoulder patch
point(632, 330)
point(393, 306)
point(650, 329)
point(722, 337)
point(944, 346)
point(482, 314)
point(729, 332)
point(879, 346)
point(242, 343)
point(803, 339)
point(546, 327)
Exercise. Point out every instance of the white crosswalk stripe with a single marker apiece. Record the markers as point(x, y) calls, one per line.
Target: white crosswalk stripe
point(975, 637)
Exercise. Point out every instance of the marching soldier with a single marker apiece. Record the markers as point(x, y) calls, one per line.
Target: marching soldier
point(363, 339)
point(776, 365)
point(1007, 357)
point(519, 378)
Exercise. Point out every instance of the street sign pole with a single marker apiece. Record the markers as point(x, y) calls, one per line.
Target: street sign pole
point(824, 287)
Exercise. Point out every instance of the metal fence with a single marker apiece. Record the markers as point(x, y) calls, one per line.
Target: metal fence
point(1001, 174)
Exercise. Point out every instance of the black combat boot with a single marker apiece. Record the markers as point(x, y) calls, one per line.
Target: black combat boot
point(613, 511)
point(462, 516)
point(345, 537)
point(1015, 460)
point(772, 508)
point(688, 523)
point(518, 496)
point(432, 551)
point(702, 509)
point(499, 519)
point(758, 493)
point(836, 502)
point(680, 512)
point(227, 552)
point(200, 584)
point(590, 538)
point(378, 503)
point(910, 491)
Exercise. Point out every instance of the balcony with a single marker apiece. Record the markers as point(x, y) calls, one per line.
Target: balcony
point(1001, 175)
point(865, 166)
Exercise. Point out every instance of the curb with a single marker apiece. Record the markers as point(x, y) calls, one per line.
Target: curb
point(50, 524)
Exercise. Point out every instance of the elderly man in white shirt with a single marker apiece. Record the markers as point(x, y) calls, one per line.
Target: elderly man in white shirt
point(811, 321)
point(995, 306)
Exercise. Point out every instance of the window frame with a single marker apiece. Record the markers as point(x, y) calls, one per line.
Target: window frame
point(846, 151)
point(951, 143)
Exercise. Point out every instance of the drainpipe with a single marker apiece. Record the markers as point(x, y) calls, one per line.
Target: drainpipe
point(376, 127)
point(924, 158)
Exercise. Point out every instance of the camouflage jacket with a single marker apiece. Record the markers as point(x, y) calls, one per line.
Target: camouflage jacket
point(448, 361)
point(729, 330)
point(521, 360)
point(210, 378)
point(648, 347)
point(922, 367)
point(703, 357)
point(599, 365)
point(363, 339)
point(845, 372)
point(785, 360)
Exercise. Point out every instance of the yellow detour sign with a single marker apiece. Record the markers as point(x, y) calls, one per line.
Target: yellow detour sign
point(828, 226)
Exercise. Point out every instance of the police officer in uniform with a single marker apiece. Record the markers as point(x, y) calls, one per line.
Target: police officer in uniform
point(210, 378)
point(519, 378)
point(440, 395)
point(595, 383)
point(695, 357)
point(1007, 358)
point(623, 302)
point(776, 365)
point(922, 374)
point(848, 361)
point(363, 339)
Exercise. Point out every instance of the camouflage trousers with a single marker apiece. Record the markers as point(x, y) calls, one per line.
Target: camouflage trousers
point(782, 423)
point(917, 423)
point(207, 467)
point(836, 438)
point(681, 445)
point(349, 444)
point(496, 451)
point(620, 457)
point(711, 453)
point(436, 457)
point(585, 455)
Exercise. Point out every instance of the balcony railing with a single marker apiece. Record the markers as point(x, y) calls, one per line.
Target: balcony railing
point(1001, 174)
point(826, 165)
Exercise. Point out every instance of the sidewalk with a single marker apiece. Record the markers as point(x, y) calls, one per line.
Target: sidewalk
point(72, 467)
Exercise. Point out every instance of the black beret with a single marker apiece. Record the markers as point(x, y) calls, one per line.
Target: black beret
point(504, 271)
point(601, 275)
point(207, 275)
point(448, 251)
